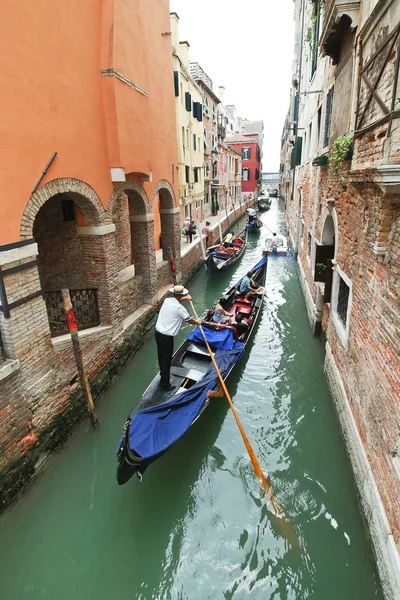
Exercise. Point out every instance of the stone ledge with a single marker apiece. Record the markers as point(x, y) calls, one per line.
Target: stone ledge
point(65, 340)
point(10, 256)
point(96, 230)
point(8, 368)
point(126, 274)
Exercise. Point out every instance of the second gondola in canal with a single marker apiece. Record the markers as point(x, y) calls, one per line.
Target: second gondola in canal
point(221, 258)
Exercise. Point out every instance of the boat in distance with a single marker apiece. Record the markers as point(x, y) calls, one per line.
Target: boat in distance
point(159, 419)
point(221, 258)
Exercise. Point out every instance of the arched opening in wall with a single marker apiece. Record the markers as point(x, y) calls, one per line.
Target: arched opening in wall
point(64, 261)
point(167, 230)
point(135, 244)
point(324, 255)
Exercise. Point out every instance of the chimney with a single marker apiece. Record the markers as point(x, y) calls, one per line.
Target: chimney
point(221, 93)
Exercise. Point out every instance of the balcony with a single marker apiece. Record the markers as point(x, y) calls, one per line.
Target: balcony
point(198, 74)
point(221, 131)
point(341, 17)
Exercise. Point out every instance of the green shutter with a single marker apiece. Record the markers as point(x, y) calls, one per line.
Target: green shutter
point(176, 82)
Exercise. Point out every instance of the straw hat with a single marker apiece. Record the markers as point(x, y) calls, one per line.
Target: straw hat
point(178, 290)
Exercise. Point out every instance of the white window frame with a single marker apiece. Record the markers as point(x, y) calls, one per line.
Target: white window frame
point(247, 174)
point(247, 150)
point(341, 330)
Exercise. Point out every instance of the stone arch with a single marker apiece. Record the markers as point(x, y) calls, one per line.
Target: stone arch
point(170, 231)
point(166, 194)
point(70, 189)
point(136, 195)
point(330, 231)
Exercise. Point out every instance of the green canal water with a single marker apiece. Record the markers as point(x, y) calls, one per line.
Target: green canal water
point(198, 526)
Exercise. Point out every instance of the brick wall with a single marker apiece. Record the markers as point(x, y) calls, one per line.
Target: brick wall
point(60, 251)
point(122, 232)
point(131, 292)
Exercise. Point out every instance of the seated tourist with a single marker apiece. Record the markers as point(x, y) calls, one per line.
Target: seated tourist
point(240, 326)
point(229, 239)
point(220, 315)
point(248, 286)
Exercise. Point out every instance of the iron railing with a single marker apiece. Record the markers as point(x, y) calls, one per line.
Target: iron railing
point(85, 306)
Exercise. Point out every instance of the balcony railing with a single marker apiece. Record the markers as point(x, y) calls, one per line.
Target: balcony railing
point(221, 131)
point(198, 74)
point(85, 306)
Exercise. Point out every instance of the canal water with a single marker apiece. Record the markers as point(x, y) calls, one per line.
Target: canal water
point(198, 527)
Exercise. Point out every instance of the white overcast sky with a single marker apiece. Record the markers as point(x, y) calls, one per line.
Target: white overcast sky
point(246, 46)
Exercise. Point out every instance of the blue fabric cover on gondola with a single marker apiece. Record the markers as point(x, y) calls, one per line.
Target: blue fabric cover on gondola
point(220, 254)
point(153, 430)
point(219, 340)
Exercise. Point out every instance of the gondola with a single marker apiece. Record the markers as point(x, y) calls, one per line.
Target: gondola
point(220, 258)
point(254, 226)
point(160, 419)
point(280, 249)
point(264, 203)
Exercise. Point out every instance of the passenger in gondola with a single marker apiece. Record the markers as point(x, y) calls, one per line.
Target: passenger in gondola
point(170, 320)
point(248, 287)
point(240, 325)
point(229, 239)
point(220, 315)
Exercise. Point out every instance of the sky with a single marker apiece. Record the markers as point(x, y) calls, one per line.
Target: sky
point(246, 46)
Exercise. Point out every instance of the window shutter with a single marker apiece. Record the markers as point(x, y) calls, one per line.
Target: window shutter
point(200, 112)
point(68, 210)
point(176, 82)
point(248, 174)
point(249, 153)
point(188, 101)
point(295, 159)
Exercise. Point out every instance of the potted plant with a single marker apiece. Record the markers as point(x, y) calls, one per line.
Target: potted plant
point(320, 271)
point(342, 150)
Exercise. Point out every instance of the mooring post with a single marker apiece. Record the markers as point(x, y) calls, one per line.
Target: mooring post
point(203, 251)
point(73, 329)
point(219, 227)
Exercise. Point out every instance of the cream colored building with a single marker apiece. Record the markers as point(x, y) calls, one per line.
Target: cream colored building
point(189, 117)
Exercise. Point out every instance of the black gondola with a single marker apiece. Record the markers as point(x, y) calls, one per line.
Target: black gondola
point(160, 419)
point(220, 258)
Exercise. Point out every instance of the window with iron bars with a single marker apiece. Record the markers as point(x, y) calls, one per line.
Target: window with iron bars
point(343, 301)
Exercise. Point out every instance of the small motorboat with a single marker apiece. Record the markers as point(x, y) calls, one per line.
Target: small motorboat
point(160, 419)
point(278, 249)
point(220, 258)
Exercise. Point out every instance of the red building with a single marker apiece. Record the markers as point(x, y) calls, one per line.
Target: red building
point(251, 161)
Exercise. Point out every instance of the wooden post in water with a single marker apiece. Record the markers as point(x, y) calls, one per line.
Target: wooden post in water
point(73, 329)
point(203, 251)
point(219, 227)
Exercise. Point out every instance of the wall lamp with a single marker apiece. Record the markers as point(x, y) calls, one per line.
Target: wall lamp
point(166, 33)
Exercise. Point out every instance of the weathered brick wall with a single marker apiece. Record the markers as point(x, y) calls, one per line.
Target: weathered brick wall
point(122, 232)
point(369, 366)
point(164, 275)
point(131, 292)
point(60, 251)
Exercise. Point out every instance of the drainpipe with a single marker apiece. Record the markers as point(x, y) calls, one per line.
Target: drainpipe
point(297, 99)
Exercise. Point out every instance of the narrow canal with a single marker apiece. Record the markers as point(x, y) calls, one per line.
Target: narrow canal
point(198, 526)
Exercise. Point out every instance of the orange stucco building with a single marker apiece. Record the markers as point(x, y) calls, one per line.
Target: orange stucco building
point(87, 95)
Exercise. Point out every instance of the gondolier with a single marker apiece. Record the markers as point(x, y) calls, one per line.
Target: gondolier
point(170, 320)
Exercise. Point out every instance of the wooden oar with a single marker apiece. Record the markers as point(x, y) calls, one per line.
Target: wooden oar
point(289, 531)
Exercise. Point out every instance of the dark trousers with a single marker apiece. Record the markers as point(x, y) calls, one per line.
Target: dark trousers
point(165, 350)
